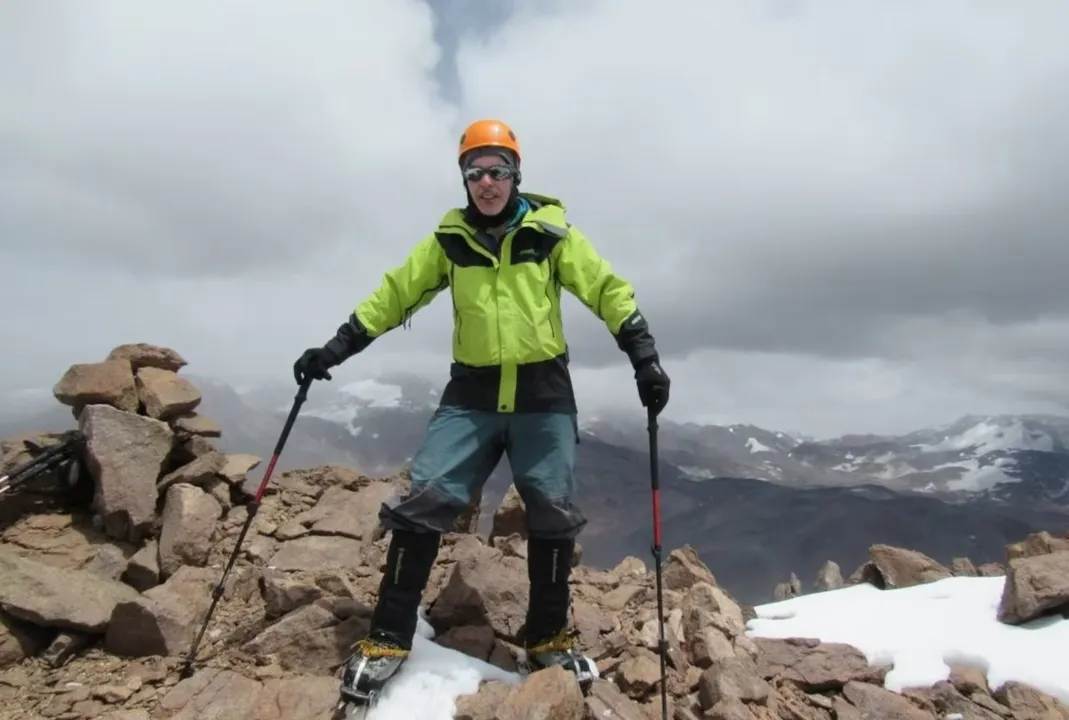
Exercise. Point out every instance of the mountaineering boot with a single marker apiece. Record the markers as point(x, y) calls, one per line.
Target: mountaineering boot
point(379, 655)
point(547, 640)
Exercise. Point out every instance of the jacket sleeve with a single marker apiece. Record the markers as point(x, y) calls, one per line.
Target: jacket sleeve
point(404, 290)
point(588, 276)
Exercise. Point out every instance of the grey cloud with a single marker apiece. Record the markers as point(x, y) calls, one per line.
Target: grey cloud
point(837, 216)
point(802, 182)
point(158, 141)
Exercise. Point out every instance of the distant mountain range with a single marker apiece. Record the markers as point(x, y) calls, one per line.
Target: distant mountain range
point(758, 504)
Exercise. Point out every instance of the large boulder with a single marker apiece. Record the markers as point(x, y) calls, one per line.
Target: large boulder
point(102, 383)
point(59, 598)
point(166, 394)
point(125, 454)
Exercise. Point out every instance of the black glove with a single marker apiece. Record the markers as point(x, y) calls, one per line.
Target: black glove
point(314, 363)
point(653, 384)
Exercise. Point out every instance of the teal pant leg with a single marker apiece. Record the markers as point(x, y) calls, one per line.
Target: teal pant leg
point(541, 448)
point(459, 452)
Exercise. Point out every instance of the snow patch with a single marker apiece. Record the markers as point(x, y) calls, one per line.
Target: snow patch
point(755, 446)
point(374, 393)
point(989, 437)
point(335, 413)
point(429, 683)
point(925, 628)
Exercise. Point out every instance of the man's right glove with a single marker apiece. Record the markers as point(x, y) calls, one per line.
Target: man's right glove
point(314, 363)
point(653, 385)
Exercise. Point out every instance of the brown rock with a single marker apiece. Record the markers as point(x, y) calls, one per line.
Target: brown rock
point(708, 646)
point(186, 450)
point(510, 516)
point(1027, 702)
point(684, 568)
point(125, 453)
point(620, 597)
point(476, 641)
point(962, 567)
point(945, 700)
point(57, 539)
point(143, 569)
point(194, 424)
point(1034, 586)
point(990, 570)
point(605, 701)
point(215, 693)
point(639, 674)
point(484, 588)
point(730, 709)
point(874, 701)
point(20, 640)
point(166, 394)
point(483, 704)
point(901, 568)
point(141, 355)
point(164, 619)
point(706, 605)
point(283, 594)
point(319, 552)
point(969, 680)
point(54, 597)
point(104, 383)
point(734, 678)
point(829, 577)
point(789, 589)
point(814, 665)
point(844, 710)
point(237, 466)
point(314, 638)
point(197, 472)
point(1038, 543)
point(344, 512)
point(108, 561)
point(188, 525)
point(550, 694)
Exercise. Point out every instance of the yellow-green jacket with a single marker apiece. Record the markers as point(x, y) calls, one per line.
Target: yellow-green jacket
point(509, 348)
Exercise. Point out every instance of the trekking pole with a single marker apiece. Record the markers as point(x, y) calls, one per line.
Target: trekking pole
point(47, 460)
point(655, 486)
point(253, 508)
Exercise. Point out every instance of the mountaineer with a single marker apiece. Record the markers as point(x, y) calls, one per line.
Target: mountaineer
point(504, 259)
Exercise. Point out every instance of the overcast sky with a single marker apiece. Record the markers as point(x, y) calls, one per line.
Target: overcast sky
point(842, 216)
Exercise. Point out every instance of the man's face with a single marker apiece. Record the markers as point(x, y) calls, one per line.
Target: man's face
point(489, 181)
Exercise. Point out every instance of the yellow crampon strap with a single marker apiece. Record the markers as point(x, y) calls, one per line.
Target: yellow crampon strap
point(370, 649)
point(564, 640)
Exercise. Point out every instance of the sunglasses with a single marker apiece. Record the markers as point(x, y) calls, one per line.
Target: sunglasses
point(497, 172)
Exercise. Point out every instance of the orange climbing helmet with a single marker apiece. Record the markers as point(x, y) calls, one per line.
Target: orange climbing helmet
point(488, 133)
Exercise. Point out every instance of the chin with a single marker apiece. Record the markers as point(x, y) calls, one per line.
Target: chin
point(491, 209)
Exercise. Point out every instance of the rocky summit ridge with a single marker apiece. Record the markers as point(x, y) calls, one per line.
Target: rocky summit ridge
point(107, 569)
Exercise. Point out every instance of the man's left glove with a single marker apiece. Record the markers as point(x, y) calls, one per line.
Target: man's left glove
point(653, 384)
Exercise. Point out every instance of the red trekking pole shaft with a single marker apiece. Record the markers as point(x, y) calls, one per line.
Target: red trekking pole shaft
point(253, 508)
point(655, 486)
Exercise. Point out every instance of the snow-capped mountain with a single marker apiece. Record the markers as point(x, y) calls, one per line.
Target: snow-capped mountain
point(1008, 457)
point(964, 489)
point(1022, 457)
point(377, 423)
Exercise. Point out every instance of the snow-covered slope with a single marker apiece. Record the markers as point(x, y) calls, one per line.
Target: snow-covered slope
point(924, 629)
